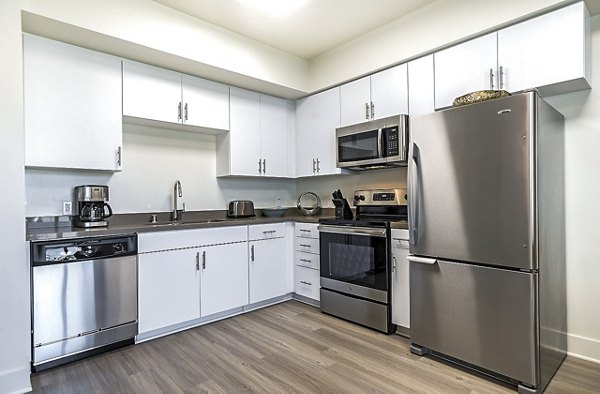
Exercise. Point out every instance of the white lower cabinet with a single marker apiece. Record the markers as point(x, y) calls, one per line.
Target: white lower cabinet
point(169, 288)
point(224, 278)
point(307, 261)
point(400, 279)
point(267, 269)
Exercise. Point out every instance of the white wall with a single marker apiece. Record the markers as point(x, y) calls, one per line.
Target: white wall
point(14, 272)
point(582, 156)
point(153, 159)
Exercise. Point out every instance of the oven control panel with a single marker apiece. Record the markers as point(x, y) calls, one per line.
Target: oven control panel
point(380, 197)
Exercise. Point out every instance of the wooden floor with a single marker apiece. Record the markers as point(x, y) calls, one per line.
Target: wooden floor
point(288, 347)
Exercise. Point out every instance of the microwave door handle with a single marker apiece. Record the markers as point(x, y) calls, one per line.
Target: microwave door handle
point(414, 196)
point(380, 143)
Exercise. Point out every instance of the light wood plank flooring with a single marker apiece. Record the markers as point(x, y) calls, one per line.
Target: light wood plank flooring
point(288, 347)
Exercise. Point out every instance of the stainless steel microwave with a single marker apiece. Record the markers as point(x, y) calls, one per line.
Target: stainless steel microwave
point(378, 143)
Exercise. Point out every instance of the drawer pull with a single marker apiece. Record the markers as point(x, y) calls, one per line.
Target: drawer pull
point(269, 232)
point(305, 230)
point(305, 245)
point(306, 261)
point(306, 283)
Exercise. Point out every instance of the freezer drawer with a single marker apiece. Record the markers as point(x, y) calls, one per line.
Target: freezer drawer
point(483, 316)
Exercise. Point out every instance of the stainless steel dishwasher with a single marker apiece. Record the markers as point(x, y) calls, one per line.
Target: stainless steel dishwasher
point(84, 297)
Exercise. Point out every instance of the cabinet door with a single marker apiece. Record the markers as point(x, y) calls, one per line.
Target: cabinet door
point(72, 105)
point(420, 80)
point(400, 279)
point(244, 134)
point(169, 288)
point(465, 68)
point(268, 271)
point(327, 120)
point(389, 92)
point(545, 50)
point(305, 132)
point(205, 103)
point(224, 278)
point(151, 92)
point(274, 135)
point(355, 101)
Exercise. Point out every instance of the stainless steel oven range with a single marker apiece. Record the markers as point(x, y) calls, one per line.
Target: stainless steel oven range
point(355, 259)
point(83, 297)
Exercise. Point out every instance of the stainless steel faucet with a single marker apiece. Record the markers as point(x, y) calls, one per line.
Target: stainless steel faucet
point(176, 192)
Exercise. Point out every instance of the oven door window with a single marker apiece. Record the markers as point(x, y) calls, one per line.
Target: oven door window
point(359, 146)
point(357, 259)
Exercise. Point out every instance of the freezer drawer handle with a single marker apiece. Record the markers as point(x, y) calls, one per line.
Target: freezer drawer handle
point(421, 260)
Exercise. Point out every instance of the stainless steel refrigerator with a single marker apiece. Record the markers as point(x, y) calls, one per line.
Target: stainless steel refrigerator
point(487, 238)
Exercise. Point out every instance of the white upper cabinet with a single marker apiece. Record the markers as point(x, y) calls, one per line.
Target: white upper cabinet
point(257, 143)
point(156, 94)
point(72, 105)
point(420, 82)
point(377, 96)
point(317, 117)
point(550, 52)
point(465, 68)
point(205, 103)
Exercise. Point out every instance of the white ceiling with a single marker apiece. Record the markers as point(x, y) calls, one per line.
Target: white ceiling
point(315, 28)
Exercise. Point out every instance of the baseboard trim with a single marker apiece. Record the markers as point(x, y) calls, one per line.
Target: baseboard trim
point(584, 348)
point(16, 381)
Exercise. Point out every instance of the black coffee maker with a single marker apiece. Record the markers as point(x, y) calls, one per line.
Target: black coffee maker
point(92, 206)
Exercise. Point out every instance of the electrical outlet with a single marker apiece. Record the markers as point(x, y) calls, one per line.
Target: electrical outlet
point(67, 208)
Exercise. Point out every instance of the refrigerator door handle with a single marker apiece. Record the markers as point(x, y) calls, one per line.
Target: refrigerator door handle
point(413, 201)
point(422, 260)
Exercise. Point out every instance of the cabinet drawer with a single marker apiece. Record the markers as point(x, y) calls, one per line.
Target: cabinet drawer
point(308, 282)
point(400, 239)
point(309, 260)
point(265, 231)
point(308, 230)
point(307, 245)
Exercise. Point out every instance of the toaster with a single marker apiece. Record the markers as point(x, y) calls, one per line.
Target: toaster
point(240, 209)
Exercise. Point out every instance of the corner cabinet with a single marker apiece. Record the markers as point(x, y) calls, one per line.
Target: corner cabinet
point(159, 95)
point(551, 53)
point(317, 117)
point(258, 143)
point(422, 88)
point(72, 106)
point(267, 265)
point(377, 96)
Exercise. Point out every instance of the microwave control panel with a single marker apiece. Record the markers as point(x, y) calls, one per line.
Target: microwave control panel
point(391, 140)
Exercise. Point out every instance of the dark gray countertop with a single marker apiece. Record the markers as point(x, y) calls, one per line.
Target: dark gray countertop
point(51, 228)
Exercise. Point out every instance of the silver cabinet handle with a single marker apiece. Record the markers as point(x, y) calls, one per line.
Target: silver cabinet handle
point(491, 78)
point(306, 261)
point(372, 110)
point(259, 167)
point(197, 261)
point(185, 111)
point(306, 283)
point(264, 166)
point(367, 111)
point(179, 111)
point(252, 253)
point(119, 156)
point(501, 78)
point(422, 260)
point(269, 232)
point(314, 166)
point(204, 260)
point(394, 264)
point(305, 245)
point(318, 165)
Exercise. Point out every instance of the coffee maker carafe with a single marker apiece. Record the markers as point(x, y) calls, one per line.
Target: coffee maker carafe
point(92, 206)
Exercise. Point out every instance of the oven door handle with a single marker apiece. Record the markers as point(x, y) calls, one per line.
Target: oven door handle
point(366, 231)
